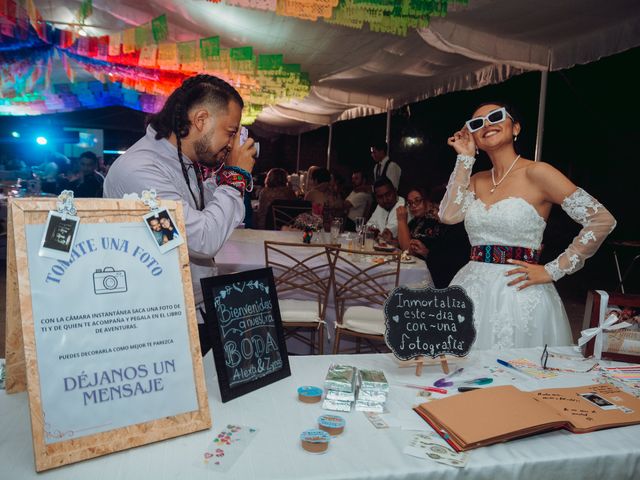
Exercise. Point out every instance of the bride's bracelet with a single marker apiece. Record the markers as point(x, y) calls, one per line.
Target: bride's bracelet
point(466, 160)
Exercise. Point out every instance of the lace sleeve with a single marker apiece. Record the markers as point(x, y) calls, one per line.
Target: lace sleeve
point(596, 223)
point(458, 197)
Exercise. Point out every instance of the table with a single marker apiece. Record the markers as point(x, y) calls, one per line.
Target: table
point(361, 452)
point(244, 250)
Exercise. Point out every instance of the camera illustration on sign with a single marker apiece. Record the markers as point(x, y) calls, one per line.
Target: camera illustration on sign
point(109, 280)
point(429, 321)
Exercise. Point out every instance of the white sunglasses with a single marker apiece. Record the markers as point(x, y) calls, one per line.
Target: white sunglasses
point(494, 116)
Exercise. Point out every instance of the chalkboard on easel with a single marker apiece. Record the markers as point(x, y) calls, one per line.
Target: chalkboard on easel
point(243, 317)
point(429, 322)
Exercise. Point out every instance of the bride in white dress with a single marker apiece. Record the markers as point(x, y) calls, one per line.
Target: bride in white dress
point(505, 211)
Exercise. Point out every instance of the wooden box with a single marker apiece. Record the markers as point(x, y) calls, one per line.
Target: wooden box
point(619, 345)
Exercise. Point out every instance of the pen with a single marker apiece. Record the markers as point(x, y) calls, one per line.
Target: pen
point(426, 389)
point(441, 381)
point(468, 389)
point(507, 364)
point(473, 381)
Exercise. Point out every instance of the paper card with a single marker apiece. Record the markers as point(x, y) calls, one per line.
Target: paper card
point(376, 420)
point(532, 369)
point(227, 446)
point(430, 446)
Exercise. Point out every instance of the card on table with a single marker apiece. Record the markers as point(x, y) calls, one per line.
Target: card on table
point(431, 446)
point(227, 447)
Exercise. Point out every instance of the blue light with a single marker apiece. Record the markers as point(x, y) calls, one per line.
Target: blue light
point(15, 134)
point(41, 140)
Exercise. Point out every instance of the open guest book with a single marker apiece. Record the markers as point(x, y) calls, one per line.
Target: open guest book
point(497, 414)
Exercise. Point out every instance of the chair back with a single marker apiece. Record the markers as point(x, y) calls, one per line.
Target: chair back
point(300, 271)
point(362, 278)
point(284, 212)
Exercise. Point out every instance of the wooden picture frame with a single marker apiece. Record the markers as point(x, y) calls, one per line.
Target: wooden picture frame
point(232, 345)
point(22, 354)
point(592, 319)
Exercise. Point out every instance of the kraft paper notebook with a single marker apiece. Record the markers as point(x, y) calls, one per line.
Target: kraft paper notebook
point(492, 415)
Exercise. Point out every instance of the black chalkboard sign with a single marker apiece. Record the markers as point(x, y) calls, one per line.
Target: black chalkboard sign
point(429, 322)
point(243, 317)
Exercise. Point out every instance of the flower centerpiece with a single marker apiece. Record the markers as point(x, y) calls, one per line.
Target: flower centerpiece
point(308, 223)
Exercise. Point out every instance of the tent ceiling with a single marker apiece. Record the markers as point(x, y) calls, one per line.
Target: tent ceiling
point(357, 72)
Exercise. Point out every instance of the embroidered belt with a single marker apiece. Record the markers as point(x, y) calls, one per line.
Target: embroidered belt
point(502, 253)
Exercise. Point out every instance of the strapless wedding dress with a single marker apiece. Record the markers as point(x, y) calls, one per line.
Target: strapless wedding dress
point(504, 316)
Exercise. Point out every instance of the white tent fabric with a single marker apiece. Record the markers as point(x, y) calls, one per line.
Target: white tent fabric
point(358, 72)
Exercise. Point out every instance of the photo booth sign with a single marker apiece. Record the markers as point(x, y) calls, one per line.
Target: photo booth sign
point(105, 341)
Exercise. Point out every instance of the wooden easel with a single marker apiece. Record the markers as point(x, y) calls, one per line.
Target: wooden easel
point(422, 361)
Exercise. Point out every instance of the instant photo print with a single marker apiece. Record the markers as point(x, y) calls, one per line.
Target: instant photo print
point(164, 230)
point(59, 236)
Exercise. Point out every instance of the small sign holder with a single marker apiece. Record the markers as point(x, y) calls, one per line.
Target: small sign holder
point(422, 325)
point(243, 318)
point(24, 341)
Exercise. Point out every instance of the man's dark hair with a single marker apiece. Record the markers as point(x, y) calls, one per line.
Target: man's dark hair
point(321, 175)
point(199, 89)
point(380, 146)
point(174, 116)
point(277, 177)
point(90, 155)
point(381, 182)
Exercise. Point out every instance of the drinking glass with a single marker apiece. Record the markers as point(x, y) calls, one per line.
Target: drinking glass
point(336, 229)
point(359, 224)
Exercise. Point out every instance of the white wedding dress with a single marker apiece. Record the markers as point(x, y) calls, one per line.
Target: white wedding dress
point(504, 316)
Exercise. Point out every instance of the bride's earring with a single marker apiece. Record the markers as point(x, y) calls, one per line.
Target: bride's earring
point(477, 151)
point(515, 138)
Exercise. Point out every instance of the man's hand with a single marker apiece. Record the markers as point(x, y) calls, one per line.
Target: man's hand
point(242, 155)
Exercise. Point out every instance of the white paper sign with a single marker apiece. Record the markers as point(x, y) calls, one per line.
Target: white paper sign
point(111, 332)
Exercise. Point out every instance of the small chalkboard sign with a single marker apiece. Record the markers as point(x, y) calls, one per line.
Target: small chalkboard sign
point(421, 322)
point(243, 317)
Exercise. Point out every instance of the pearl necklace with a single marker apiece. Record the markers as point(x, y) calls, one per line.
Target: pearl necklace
point(493, 180)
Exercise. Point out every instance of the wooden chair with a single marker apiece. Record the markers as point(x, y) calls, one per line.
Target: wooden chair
point(301, 272)
point(361, 283)
point(284, 212)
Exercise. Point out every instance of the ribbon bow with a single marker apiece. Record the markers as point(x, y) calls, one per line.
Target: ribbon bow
point(608, 325)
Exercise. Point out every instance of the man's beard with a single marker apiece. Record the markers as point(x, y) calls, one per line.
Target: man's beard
point(206, 157)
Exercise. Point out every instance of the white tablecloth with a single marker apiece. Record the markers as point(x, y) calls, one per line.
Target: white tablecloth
point(245, 251)
point(361, 452)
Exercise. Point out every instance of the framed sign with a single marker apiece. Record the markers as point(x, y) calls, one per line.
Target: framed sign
point(104, 341)
point(243, 318)
point(429, 322)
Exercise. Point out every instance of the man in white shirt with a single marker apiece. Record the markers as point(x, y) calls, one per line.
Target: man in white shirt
point(359, 200)
point(384, 217)
point(384, 167)
point(196, 127)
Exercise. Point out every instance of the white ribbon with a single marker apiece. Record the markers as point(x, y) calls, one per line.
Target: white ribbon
point(607, 325)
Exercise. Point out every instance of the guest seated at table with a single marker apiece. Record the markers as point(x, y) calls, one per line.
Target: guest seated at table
point(444, 248)
point(418, 235)
point(276, 188)
point(384, 217)
point(323, 193)
point(358, 202)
